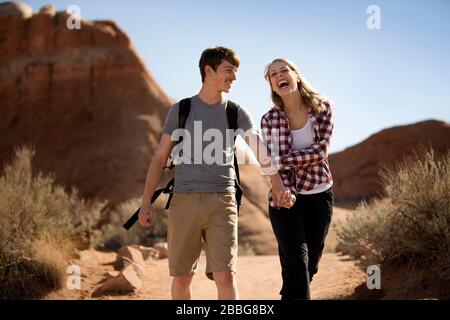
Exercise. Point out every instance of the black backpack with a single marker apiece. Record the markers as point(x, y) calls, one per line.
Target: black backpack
point(183, 113)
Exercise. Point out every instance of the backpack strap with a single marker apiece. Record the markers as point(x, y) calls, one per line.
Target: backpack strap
point(184, 108)
point(232, 117)
point(232, 114)
point(183, 113)
point(135, 217)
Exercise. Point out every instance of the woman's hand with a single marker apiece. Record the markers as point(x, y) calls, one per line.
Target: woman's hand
point(280, 194)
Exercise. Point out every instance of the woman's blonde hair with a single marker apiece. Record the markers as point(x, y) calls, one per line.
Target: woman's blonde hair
point(311, 97)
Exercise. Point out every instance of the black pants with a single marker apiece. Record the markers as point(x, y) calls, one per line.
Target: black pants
point(301, 232)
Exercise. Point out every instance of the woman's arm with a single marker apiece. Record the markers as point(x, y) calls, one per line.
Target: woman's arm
point(317, 152)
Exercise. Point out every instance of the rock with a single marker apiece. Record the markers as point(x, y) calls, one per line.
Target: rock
point(11, 9)
point(138, 266)
point(48, 9)
point(126, 280)
point(85, 255)
point(70, 93)
point(111, 274)
point(162, 249)
point(148, 252)
point(130, 253)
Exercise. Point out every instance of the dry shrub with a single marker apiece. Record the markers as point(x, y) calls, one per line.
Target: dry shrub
point(40, 225)
point(411, 226)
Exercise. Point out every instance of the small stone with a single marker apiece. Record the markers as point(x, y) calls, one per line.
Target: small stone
point(127, 280)
point(163, 249)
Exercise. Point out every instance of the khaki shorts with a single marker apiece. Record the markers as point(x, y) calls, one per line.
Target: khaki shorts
point(196, 218)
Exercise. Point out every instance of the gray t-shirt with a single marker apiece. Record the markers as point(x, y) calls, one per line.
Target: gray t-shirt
point(206, 164)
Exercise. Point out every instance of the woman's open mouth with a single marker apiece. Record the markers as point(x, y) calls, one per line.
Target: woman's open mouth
point(283, 84)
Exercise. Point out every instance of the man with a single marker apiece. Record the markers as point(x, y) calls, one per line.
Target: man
point(203, 208)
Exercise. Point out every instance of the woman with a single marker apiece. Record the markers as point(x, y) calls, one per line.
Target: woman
point(297, 131)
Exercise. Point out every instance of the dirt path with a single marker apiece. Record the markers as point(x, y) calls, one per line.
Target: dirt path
point(258, 277)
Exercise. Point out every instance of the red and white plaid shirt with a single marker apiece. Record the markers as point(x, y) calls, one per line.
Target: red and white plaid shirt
point(306, 168)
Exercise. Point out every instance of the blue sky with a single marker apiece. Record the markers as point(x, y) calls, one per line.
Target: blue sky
point(397, 75)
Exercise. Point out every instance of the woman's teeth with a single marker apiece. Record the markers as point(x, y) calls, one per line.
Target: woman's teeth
point(282, 84)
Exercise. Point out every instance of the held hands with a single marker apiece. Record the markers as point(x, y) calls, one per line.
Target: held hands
point(285, 200)
point(146, 214)
point(282, 196)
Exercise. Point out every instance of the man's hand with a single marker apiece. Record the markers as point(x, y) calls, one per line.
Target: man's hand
point(153, 176)
point(146, 214)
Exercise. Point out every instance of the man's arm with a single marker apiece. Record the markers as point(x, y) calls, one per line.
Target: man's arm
point(153, 177)
point(254, 141)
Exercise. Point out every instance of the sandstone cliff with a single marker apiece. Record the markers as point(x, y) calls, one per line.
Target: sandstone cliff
point(83, 98)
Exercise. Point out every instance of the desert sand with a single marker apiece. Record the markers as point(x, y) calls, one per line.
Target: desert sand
point(258, 276)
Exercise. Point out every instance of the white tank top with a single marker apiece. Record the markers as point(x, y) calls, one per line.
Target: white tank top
point(303, 138)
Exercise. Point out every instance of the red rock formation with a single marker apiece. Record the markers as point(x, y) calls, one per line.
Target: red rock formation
point(355, 170)
point(83, 98)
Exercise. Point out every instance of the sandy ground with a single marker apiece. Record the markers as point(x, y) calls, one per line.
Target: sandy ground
point(258, 276)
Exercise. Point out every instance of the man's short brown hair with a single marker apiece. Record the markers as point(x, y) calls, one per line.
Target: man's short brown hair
point(213, 57)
